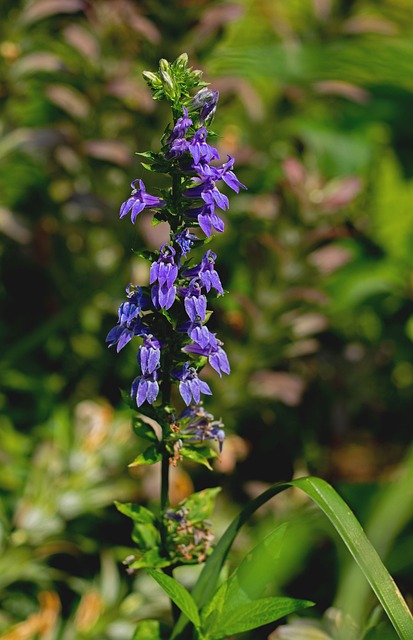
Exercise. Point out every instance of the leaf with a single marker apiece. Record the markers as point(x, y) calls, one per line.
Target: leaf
point(258, 566)
point(254, 614)
point(201, 504)
point(351, 533)
point(149, 559)
point(148, 630)
point(136, 512)
point(145, 431)
point(178, 594)
point(198, 454)
point(151, 455)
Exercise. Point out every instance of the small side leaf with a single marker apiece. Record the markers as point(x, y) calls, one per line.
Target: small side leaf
point(178, 594)
point(151, 455)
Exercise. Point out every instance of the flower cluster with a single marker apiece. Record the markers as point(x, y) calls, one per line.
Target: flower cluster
point(170, 314)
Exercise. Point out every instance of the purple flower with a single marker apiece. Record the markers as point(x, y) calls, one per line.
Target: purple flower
point(216, 355)
point(181, 127)
point(200, 149)
point(129, 321)
point(138, 200)
point(209, 194)
point(190, 386)
point(164, 270)
point(145, 387)
point(195, 303)
point(224, 172)
point(206, 273)
point(196, 331)
point(207, 219)
point(122, 335)
point(178, 148)
point(149, 354)
point(185, 240)
point(163, 297)
point(205, 100)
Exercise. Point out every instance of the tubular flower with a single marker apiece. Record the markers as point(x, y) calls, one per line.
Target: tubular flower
point(138, 200)
point(216, 355)
point(145, 387)
point(190, 386)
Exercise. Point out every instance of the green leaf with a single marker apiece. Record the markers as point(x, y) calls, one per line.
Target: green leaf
point(198, 454)
point(151, 455)
point(145, 431)
point(351, 533)
point(201, 504)
point(150, 630)
point(178, 594)
point(149, 559)
point(136, 512)
point(258, 567)
point(253, 614)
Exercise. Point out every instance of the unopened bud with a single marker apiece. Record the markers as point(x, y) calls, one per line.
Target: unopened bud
point(206, 101)
point(182, 60)
point(197, 75)
point(167, 83)
point(164, 65)
point(152, 79)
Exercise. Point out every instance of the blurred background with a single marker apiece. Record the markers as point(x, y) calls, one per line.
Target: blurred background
point(316, 105)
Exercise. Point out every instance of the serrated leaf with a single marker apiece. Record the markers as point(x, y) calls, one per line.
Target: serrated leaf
point(254, 614)
point(178, 594)
point(151, 455)
point(198, 454)
point(144, 431)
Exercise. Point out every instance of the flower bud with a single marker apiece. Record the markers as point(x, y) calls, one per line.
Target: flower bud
point(152, 79)
point(182, 60)
point(206, 101)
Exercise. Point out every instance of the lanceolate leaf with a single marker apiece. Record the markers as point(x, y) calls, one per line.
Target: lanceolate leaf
point(178, 594)
point(252, 615)
point(351, 533)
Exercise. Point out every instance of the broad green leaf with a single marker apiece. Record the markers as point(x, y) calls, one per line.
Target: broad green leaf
point(198, 454)
point(254, 614)
point(146, 536)
point(178, 594)
point(136, 512)
point(351, 533)
point(151, 455)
